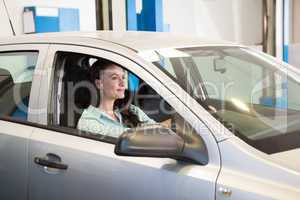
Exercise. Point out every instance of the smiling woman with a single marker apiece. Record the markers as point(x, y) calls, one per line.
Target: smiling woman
point(108, 117)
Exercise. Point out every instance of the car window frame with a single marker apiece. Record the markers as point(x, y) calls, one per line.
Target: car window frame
point(110, 56)
point(129, 60)
point(41, 50)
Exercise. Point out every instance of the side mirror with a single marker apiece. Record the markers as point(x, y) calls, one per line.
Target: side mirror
point(149, 142)
point(160, 142)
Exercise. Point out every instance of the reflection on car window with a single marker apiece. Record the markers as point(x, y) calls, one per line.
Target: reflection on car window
point(254, 98)
point(16, 71)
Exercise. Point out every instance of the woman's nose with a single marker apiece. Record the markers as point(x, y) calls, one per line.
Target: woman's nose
point(121, 82)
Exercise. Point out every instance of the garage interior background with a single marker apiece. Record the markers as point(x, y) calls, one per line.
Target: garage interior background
point(270, 25)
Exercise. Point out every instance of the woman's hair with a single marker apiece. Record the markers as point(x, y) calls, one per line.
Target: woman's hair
point(98, 67)
point(129, 118)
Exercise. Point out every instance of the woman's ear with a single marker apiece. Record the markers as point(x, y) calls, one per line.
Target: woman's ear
point(99, 84)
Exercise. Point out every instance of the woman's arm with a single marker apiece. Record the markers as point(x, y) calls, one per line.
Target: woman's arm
point(143, 117)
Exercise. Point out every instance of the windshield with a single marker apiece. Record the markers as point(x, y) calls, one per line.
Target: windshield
point(256, 98)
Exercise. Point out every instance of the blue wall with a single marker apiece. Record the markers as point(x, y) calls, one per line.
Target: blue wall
point(67, 19)
point(150, 18)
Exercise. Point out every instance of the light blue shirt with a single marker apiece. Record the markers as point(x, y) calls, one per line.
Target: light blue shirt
point(97, 121)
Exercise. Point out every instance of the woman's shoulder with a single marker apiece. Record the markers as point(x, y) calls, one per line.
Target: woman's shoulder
point(90, 112)
point(87, 115)
point(88, 119)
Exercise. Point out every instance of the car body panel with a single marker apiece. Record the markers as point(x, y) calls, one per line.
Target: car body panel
point(136, 41)
point(287, 159)
point(95, 171)
point(14, 141)
point(253, 174)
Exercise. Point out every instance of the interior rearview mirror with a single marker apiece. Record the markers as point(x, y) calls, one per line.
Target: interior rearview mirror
point(220, 65)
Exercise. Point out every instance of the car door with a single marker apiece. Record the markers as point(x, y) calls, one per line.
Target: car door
point(68, 164)
point(19, 65)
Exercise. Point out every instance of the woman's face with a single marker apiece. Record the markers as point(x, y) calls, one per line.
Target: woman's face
point(111, 82)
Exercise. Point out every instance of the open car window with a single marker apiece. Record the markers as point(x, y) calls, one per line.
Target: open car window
point(73, 93)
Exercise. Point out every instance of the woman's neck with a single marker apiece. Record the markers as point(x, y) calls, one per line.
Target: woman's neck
point(107, 105)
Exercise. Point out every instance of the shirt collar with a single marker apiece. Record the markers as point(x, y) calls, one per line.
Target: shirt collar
point(96, 112)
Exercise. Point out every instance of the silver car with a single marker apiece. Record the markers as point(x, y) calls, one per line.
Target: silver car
point(228, 120)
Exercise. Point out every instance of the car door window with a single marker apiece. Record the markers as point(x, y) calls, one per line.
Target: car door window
point(16, 72)
point(74, 94)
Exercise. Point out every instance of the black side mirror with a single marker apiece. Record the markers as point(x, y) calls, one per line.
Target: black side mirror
point(160, 142)
point(149, 142)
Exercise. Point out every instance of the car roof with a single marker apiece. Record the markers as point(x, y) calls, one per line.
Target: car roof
point(135, 40)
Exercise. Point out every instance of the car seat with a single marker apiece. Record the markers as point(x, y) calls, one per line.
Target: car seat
point(74, 98)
